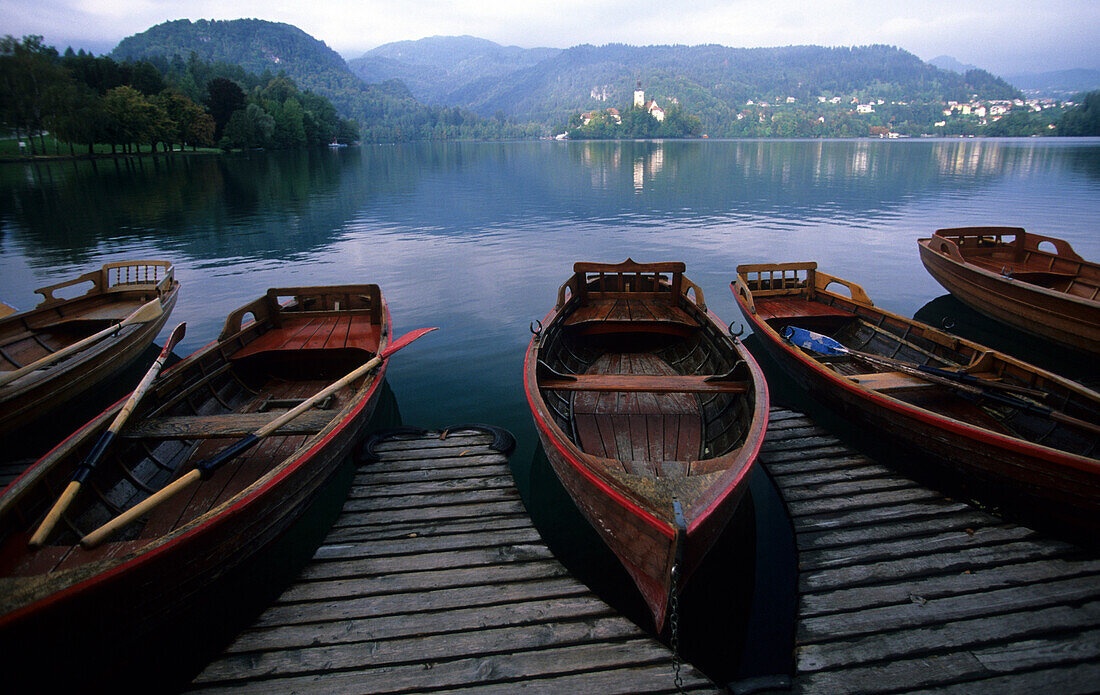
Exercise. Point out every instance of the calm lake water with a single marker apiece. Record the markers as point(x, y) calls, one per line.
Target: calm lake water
point(477, 237)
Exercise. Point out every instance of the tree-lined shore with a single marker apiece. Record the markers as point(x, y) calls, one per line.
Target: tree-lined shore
point(90, 103)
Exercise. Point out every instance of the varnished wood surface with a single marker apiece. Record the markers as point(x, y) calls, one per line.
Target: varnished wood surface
point(433, 579)
point(640, 429)
point(902, 589)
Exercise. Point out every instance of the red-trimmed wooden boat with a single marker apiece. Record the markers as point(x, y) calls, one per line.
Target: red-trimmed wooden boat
point(650, 414)
point(116, 291)
point(1034, 283)
point(102, 607)
point(1004, 429)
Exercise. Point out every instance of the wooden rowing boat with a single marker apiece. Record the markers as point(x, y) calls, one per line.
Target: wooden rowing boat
point(1034, 283)
point(113, 293)
point(1005, 430)
point(650, 414)
point(108, 607)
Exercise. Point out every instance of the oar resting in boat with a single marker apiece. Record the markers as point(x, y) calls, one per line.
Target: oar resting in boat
point(207, 467)
point(827, 346)
point(89, 464)
point(149, 311)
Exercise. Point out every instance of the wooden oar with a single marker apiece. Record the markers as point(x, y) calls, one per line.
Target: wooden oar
point(826, 345)
point(146, 312)
point(205, 468)
point(96, 454)
point(6, 310)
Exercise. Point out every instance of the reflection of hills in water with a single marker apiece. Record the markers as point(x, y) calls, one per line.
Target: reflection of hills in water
point(275, 205)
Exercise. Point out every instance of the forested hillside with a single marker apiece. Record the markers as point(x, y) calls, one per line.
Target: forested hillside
point(434, 67)
point(713, 82)
point(386, 111)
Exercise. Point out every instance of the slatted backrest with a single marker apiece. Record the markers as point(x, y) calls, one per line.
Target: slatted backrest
point(607, 280)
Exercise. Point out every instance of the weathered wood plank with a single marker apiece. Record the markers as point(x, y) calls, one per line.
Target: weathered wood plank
point(366, 566)
point(373, 655)
point(950, 668)
point(872, 500)
point(845, 519)
point(427, 544)
point(926, 612)
point(920, 546)
point(520, 613)
point(426, 527)
point(919, 589)
point(439, 458)
point(799, 478)
point(390, 516)
point(960, 561)
point(1078, 679)
point(962, 519)
point(417, 501)
point(798, 495)
point(431, 487)
point(497, 675)
point(945, 637)
point(322, 588)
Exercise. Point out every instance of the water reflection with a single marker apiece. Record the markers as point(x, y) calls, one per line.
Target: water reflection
point(476, 237)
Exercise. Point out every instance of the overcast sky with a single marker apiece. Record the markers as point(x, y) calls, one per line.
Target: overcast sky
point(1003, 36)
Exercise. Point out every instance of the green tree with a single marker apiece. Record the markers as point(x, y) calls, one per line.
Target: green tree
point(223, 98)
point(134, 119)
point(1083, 119)
point(192, 125)
point(29, 70)
point(248, 127)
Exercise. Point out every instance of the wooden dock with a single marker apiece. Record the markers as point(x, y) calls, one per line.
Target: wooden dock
point(904, 590)
point(434, 579)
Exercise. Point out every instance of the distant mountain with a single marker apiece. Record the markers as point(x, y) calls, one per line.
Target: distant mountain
point(711, 81)
point(954, 65)
point(435, 67)
point(1059, 84)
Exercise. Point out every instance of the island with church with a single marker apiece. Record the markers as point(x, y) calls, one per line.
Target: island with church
point(642, 119)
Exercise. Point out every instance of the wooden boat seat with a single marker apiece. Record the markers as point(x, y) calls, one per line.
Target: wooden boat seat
point(889, 381)
point(628, 314)
point(324, 332)
point(796, 307)
point(645, 383)
point(104, 314)
point(226, 425)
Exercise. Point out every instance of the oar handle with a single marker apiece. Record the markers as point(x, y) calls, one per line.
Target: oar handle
point(133, 513)
point(105, 440)
point(47, 525)
point(204, 468)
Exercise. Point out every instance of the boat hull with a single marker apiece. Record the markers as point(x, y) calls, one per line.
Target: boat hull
point(30, 402)
point(656, 505)
point(1057, 489)
point(1070, 321)
point(115, 618)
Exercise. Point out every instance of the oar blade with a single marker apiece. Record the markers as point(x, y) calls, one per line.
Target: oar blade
point(816, 342)
point(147, 312)
point(405, 340)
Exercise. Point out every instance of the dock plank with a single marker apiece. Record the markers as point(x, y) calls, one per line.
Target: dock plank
point(433, 579)
point(902, 589)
